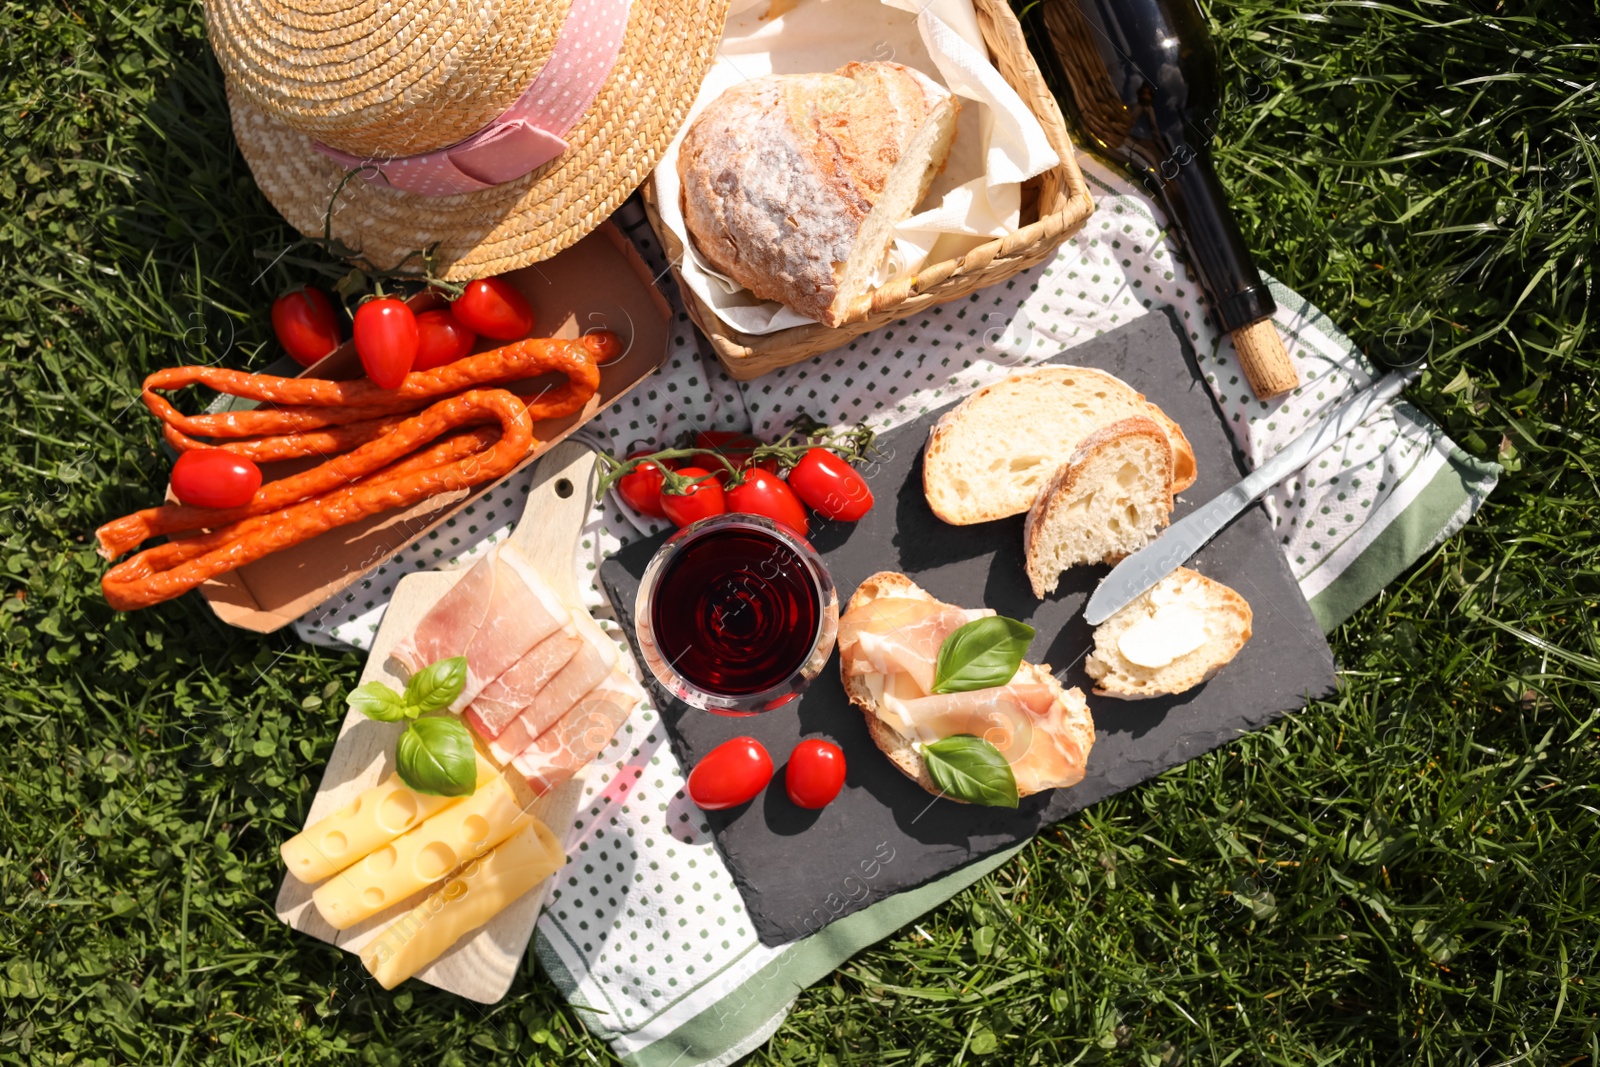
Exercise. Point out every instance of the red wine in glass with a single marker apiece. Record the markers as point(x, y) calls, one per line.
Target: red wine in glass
point(736, 614)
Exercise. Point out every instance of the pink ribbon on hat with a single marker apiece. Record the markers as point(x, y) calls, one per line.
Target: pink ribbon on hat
point(532, 131)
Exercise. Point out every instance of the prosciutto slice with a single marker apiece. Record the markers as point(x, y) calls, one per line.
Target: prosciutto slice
point(452, 621)
point(900, 634)
point(503, 699)
point(578, 736)
point(591, 662)
point(1037, 728)
point(499, 610)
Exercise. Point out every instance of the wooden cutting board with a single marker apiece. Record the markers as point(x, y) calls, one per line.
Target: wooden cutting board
point(481, 965)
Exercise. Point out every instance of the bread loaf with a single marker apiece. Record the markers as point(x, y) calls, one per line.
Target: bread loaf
point(1173, 637)
point(991, 455)
point(793, 183)
point(1110, 499)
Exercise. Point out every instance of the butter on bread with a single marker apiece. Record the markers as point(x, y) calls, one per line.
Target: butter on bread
point(990, 455)
point(1174, 636)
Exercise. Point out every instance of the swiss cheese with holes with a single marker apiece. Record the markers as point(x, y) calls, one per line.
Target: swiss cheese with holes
point(470, 898)
point(420, 857)
point(364, 825)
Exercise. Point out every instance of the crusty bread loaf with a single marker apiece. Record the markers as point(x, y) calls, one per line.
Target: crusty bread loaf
point(1111, 498)
point(1227, 620)
point(990, 455)
point(793, 183)
point(901, 751)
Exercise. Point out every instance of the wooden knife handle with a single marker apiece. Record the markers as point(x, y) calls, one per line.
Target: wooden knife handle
point(1265, 360)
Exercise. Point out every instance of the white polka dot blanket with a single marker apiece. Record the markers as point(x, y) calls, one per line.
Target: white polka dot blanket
point(644, 930)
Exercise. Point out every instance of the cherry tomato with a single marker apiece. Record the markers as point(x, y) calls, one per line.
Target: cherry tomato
point(640, 488)
point(306, 324)
point(730, 774)
point(440, 339)
point(815, 773)
point(735, 446)
point(386, 340)
point(214, 478)
point(604, 345)
point(491, 306)
point(762, 493)
point(702, 499)
point(833, 488)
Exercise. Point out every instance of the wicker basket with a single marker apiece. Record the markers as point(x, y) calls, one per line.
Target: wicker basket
point(1054, 206)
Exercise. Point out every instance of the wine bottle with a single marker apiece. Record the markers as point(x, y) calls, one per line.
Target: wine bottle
point(1142, 83)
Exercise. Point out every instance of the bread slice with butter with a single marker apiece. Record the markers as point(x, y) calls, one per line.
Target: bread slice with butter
point(1173, 637)
point(989, 457)
point(1076, 722)
point(1110, 499)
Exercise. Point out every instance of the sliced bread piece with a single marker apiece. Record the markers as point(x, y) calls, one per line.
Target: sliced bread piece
point(1109, 499)
point(990, 455)
point(901, 751)
point(1169, 640)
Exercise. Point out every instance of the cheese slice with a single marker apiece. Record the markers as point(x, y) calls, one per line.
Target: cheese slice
point(423, 856)
point(367, 823)
point(480, 891)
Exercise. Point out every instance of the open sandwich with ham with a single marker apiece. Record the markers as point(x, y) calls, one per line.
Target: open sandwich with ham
point(545, 689)
point(889, 641)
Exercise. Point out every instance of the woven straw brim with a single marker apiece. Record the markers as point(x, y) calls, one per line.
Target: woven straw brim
point(668, 47)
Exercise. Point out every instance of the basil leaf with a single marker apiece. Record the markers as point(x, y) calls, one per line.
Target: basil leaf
point(982, 654)
point(377, 701)
point(435, 756)
point(971, 769)
point(435, 686)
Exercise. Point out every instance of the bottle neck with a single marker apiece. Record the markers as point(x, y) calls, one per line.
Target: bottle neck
point(1186, 186)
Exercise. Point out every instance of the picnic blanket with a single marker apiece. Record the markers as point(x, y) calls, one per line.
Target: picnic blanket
point(644, 930)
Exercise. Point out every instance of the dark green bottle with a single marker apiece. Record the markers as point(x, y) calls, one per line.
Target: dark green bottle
point(1141, 81)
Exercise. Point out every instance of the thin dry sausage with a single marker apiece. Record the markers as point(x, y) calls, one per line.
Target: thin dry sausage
point(169, 570)
point(390, 454)
point(309, 404)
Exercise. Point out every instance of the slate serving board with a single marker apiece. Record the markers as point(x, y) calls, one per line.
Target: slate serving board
point(799, 870)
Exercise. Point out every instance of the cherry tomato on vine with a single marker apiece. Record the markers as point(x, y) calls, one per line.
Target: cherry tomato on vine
point(440, 339)
point(702, 499)
point(386, 340)
point(730, 774)
point(733, 445)
point(815, 773)
point(214, 478)
point(492, 307)
point(306, 324)
point(762, 493)
point(640, 488)
point(833, 488)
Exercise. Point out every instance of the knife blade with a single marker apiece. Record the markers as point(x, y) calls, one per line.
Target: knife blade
point(1188, 535)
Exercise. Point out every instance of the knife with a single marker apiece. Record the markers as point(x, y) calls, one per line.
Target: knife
point(1188, 535)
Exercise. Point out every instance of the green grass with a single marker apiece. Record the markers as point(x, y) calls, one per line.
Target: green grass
point(1410, 874)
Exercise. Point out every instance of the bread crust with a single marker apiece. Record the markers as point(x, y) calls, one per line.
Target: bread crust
point(1065, 481)
point(780, 173)
point(889, 742)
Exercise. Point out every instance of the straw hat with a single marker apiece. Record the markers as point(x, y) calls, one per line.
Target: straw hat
point(504, 130)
